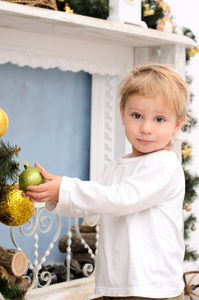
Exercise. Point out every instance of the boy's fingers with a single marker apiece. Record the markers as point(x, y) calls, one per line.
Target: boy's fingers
point(39, 197)
point(37, 188)
point(24, 195)
point(17, 186)
point(44, 173)
point(38, 166)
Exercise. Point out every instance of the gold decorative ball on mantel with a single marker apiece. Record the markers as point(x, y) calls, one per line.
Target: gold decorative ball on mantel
point(15, 209)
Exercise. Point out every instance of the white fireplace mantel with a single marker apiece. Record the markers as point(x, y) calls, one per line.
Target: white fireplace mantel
point(39, 37)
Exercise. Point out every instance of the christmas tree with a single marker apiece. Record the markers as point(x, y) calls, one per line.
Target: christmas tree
point(8, 172)
point(9, 168)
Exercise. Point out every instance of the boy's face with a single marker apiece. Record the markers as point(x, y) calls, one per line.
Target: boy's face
point(149, 123)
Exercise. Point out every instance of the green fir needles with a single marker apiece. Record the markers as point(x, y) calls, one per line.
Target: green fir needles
point(8, 166)
point(92, 8)
point(11, 291)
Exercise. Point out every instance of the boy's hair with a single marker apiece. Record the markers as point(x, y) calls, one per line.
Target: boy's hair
point(156, 79)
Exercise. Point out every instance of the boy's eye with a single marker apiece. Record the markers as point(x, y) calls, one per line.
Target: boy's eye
point(159, 119)
point(137, 116)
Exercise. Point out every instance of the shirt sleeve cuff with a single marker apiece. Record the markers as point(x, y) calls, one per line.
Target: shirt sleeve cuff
point(59, 207)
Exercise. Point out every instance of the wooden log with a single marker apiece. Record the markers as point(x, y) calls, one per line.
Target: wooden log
point(76, 245)
point(5, 274)
point(19, 281)
point(22, 283)
point(87, 233)
point(86, 228)
point(82, 256)
point(15, 262)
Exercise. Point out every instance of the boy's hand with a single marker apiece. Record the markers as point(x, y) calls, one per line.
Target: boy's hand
point(48, 191)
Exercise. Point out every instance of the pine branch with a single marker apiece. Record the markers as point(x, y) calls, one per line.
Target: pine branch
point(192, 123)
point(191, 183)
point(186, 31)
point(11, 291)
point(187, 225)
point(190, 254)
point(92, 8)
point(8, 166)
point(7, 151)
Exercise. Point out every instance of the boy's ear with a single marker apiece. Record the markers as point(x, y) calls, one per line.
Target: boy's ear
point(178, 125)
point(122, 114)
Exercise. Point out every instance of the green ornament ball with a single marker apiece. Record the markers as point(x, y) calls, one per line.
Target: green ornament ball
point(29, 177)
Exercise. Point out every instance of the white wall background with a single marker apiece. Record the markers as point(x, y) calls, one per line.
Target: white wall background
point(185, 14)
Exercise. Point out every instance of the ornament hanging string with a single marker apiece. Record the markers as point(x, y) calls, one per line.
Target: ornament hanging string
point(26, 164)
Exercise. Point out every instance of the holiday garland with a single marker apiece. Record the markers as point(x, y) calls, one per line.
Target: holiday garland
point(191, 51)
point(191, 181)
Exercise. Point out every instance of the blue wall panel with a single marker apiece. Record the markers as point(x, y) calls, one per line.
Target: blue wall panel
point(49, 118)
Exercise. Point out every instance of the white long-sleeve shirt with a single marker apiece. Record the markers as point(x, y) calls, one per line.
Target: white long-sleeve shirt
point(141, 245)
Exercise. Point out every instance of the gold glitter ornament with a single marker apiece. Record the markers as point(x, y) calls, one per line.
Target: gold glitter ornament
point(3, 122)
point(191, 51)
point(197, 49)
point(193, 227)
point(15, 210)
point(187, 207)
point(30, 176)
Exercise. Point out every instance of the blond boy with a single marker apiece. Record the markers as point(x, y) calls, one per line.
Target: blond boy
point(139, 196)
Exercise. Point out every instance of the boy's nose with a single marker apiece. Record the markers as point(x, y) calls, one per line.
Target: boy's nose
point(146, 128)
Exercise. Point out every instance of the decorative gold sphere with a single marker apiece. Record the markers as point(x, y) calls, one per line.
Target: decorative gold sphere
point(187, 207)
point(197, 49)
point(15, 210)
point(191, 51)
point(3, 122)
point(193, 227)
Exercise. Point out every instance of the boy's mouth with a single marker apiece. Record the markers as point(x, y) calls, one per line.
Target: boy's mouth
point(144, 141)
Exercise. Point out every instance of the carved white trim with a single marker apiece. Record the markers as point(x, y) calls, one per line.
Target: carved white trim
point(102, 123)
point(35, 59)
point(109, 134)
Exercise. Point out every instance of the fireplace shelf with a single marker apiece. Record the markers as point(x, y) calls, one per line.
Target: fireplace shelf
point(41, 37)
point(56, 23)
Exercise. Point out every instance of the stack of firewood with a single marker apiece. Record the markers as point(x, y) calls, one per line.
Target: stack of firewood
point(80, 252)
point(13, 265)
